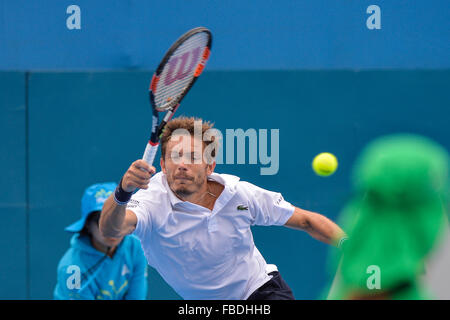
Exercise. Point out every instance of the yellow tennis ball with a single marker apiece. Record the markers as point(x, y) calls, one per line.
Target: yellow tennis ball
point(324, 164)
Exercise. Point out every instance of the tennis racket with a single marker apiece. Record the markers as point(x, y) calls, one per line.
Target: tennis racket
point(176, 74)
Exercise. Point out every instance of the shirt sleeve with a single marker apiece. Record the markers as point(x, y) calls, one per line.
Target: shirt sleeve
point(267, 207)
point(140, 205)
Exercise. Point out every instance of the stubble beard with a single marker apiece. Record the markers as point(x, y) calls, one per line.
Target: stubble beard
point(186, 191)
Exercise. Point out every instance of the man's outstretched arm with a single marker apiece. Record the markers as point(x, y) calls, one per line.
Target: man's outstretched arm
point(317, 226)
point(115, 220)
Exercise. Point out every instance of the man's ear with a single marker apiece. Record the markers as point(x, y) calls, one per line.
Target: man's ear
point(161, 163)
point(210, 168)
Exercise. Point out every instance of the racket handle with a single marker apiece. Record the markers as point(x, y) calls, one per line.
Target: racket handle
point(150, 153)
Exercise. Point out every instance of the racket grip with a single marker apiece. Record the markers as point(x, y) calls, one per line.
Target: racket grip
point(150, 153)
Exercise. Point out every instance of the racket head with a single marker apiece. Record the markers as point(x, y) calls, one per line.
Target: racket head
point(179, 69)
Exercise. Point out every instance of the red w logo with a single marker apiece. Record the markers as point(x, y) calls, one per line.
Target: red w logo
point(177, 66)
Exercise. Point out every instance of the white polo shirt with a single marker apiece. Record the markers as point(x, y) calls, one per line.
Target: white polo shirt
point(204, 254)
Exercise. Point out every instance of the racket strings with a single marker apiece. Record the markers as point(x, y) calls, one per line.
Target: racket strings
point(180, 69)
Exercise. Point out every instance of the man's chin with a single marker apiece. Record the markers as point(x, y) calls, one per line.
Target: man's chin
point(182, 192)
point(183, 187)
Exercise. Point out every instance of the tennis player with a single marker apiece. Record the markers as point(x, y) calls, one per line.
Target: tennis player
point(194, 224)
point(99, 268)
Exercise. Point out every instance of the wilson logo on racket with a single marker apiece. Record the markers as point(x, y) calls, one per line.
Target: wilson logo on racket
point(177, 65)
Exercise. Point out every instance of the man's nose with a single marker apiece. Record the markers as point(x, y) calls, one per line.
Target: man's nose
point(182, 166)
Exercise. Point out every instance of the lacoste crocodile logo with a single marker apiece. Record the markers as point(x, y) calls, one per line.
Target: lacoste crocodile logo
point(242, 207)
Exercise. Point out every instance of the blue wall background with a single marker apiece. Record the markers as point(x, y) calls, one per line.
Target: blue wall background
point(249, 34)
point(65, 131)
point(74, 108)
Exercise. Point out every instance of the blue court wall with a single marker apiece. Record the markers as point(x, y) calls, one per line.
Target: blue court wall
point(14, 239)
point(64, 131)
point(248, 34)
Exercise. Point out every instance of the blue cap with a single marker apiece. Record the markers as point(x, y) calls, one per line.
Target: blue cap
point(93, 199)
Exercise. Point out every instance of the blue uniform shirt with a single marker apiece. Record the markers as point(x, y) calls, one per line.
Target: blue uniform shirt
point(86, 273)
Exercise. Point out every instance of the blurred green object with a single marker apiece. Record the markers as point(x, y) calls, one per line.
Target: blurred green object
point(395, 218)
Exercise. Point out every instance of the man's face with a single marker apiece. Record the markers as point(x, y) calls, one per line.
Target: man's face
point(184, 166)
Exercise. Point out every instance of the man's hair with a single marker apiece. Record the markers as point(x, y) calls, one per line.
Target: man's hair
point(188, 123)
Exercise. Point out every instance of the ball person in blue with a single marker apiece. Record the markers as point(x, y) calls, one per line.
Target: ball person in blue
point(97, 267)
